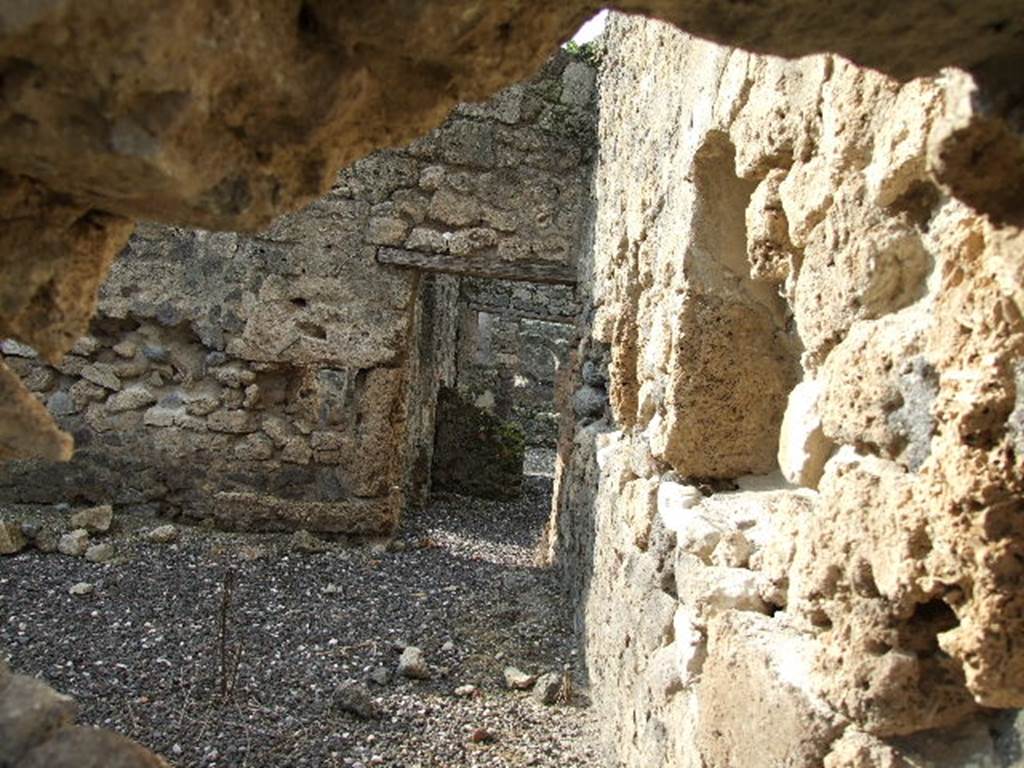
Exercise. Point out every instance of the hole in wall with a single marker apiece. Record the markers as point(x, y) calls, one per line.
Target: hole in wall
point(307, 21)
point(312, 330)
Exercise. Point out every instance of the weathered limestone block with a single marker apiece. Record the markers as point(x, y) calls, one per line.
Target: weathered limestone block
point(425, 239)
point(712, 589)
point(880, 267)
point(39, 379)
point(771, 254)
point(864, 578)
point(387, 230)
point(357, 516)
point(803, 446)
point(94, 519)
point(989, 739)
point(83, 392)
point(158, 416)
point(74, 543)
point(773, 717)
point(102, 375)
point(879, 390)
point(323, 320)
point(235, 422)
point(131, 399)
point(254, 447)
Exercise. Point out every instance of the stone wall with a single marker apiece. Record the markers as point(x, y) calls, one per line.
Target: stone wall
point(514, 339)
point(101, 130)
point(246, 378)
point(873, 598)
point(789, 501)
point(500, 190)
point(288, 379)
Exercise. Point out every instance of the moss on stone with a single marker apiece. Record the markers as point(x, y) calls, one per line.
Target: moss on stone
point(476, 453)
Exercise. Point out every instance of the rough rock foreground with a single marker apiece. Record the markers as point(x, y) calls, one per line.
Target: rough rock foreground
point(224, 114)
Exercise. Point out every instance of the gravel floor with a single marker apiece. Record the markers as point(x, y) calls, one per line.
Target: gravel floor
point(144, 652)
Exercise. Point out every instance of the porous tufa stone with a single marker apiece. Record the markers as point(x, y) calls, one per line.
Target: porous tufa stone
point(411, 664)
point(12, 540)
point(74, 543)
point(163, 534)
point(94, 519)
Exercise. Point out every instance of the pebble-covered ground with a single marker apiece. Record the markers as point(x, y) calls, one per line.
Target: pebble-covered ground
point(151, 650)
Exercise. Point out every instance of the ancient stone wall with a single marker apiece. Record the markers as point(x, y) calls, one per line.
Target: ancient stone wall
point(786, 264)
point(513, 340)
point(499, 191)
point(247, 378)
point(288, 379)
point(789, 501)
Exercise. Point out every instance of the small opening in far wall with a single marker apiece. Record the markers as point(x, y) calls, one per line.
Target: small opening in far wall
point(498, 425)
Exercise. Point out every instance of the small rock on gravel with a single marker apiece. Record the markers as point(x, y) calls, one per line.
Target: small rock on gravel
point(412, 664)
point(94, 519)
point(548, 689)
point(46, 539)
point(304, 541)
point(100, 553)
point(74, 543)
point(518, 680)
point(126, 349)
point(11, 538)
point(355, 699)
point(483, 736)
point(163, 534)
point(380, 676)
point(465, 691)
point(42, 537)
point(81, 588)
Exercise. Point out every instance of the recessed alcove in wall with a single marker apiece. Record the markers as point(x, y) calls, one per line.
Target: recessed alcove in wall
point(733, 360)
